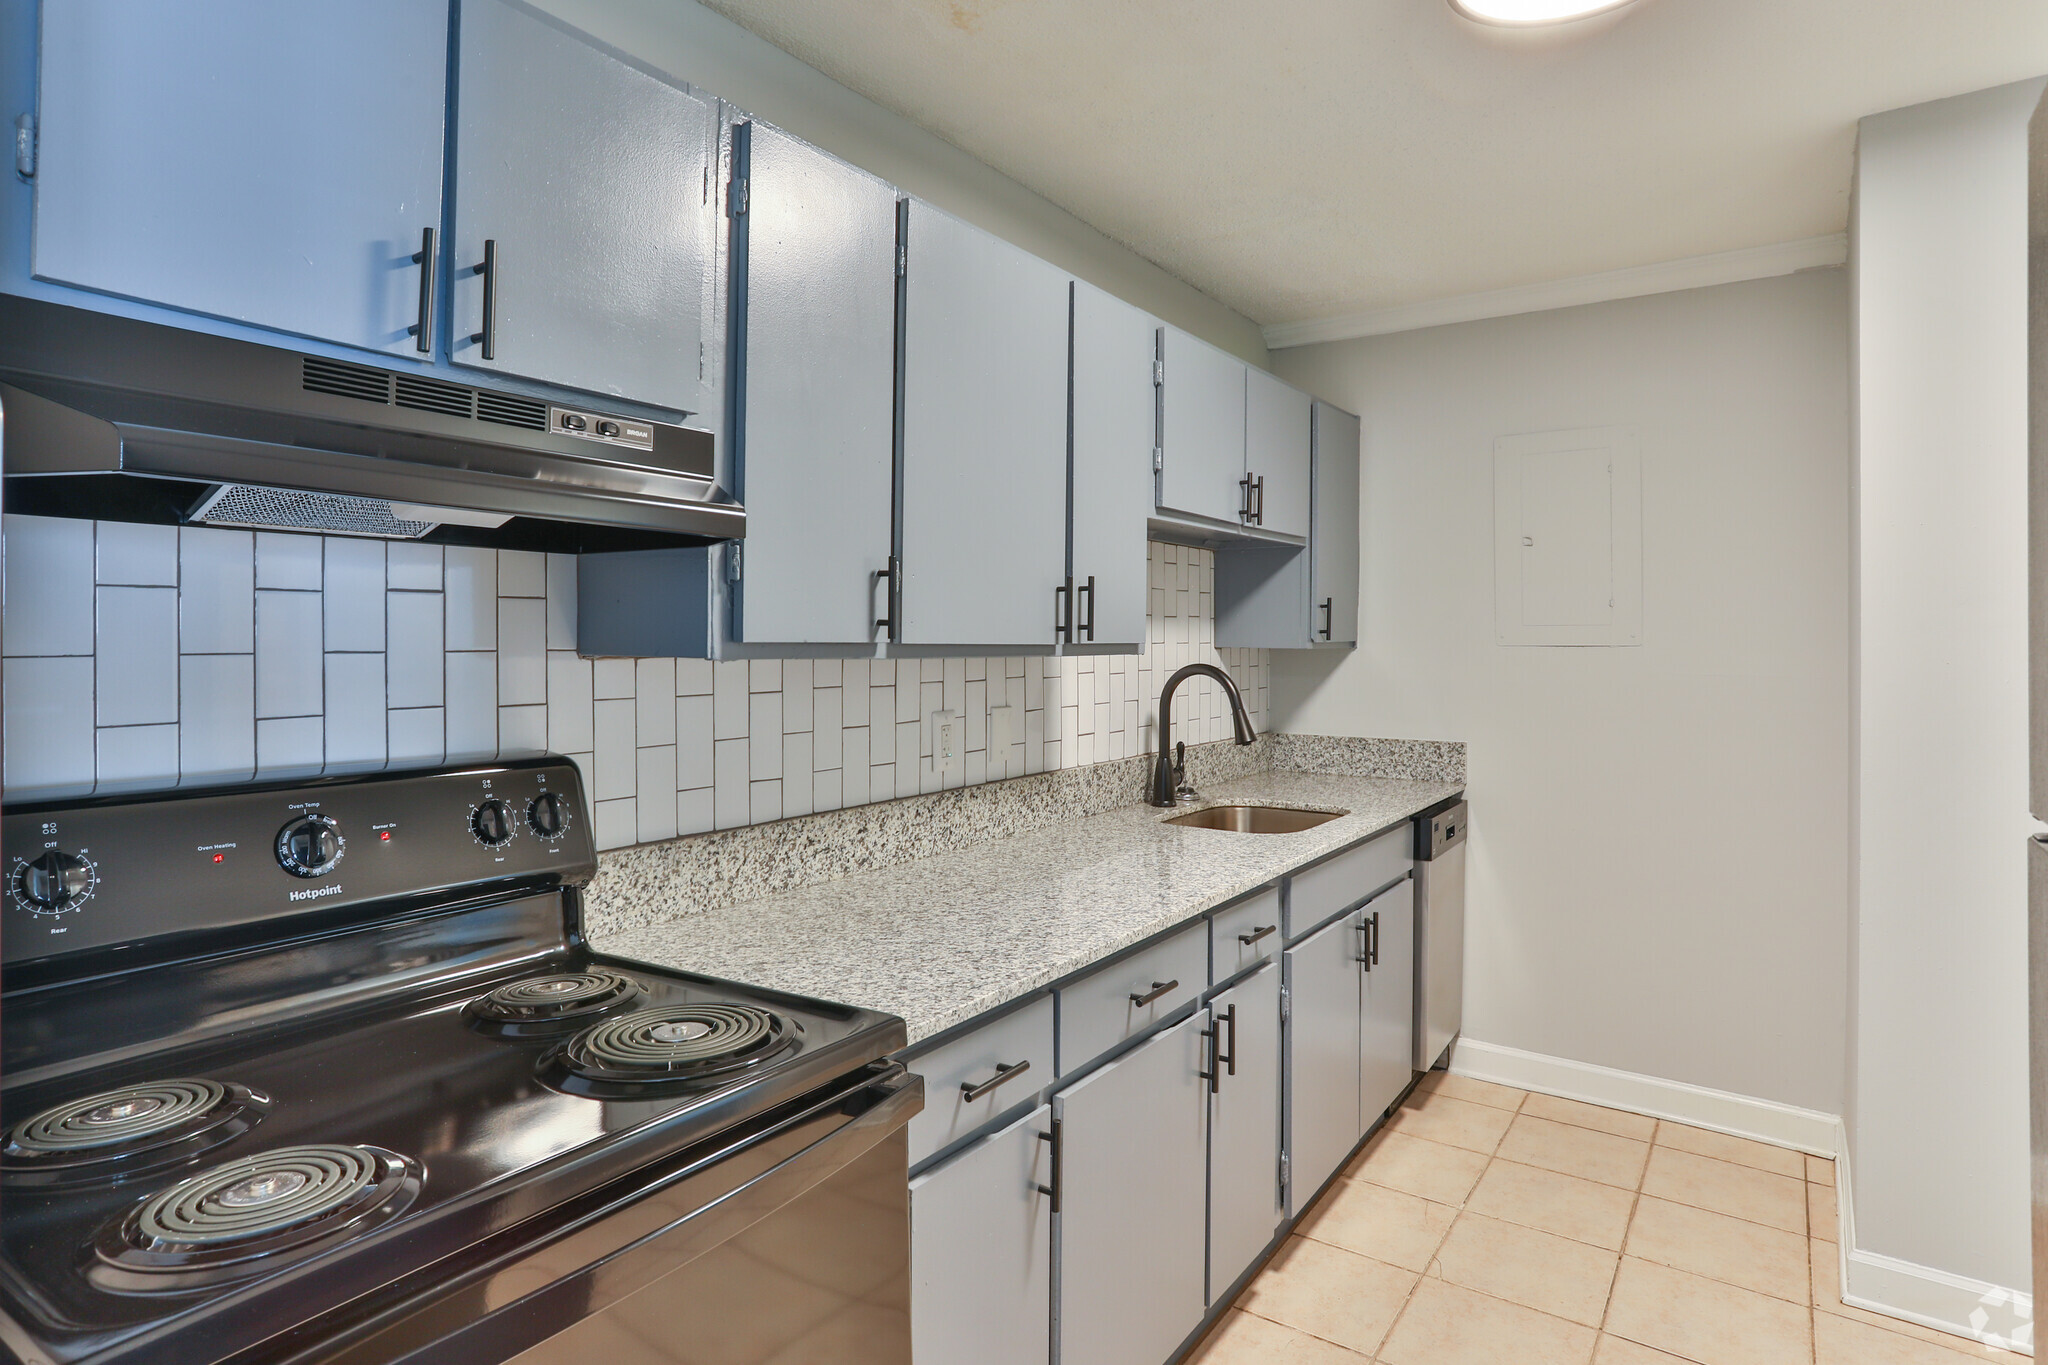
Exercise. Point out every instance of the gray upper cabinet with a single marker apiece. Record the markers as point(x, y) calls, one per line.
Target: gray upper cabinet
point(1276, 453)
point(1322, 1056)
point(983, 511)
point(1334, 531)
point(814, 325)
point(980, 1251)
point(272, 164)
point(1132, 1225)
point(1201, 428)
point(584, 215)
point(1245, 1205)
point(1386, 1044)
point(1114, 429)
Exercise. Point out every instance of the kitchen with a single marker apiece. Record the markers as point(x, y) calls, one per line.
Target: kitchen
point(777, 530)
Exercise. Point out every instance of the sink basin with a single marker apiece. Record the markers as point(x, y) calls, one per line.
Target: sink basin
point(1254, 819)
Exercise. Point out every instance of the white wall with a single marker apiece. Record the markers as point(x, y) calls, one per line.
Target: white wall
point(694, 44)
point(1937, 1116)
point(1660, 848)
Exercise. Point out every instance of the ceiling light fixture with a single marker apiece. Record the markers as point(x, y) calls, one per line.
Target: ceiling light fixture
point(1530, 13)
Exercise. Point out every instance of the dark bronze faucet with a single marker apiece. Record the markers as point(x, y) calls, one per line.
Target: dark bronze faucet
point(1165, 784)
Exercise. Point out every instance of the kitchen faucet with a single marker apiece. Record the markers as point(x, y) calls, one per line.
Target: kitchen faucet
point(1165, 782)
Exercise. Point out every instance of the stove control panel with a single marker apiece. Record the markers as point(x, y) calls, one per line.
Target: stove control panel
point(100, 874)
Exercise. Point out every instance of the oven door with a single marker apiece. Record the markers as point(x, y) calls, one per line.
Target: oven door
point(793, 1248)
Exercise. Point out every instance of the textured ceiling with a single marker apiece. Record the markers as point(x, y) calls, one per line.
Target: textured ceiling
point(1323, 157)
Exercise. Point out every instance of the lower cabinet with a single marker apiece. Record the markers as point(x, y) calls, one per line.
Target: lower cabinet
point(1386, 1042)
point(1245, 1203)
point(980, 1251)
point(1134, 1147)
point(1322, 1055)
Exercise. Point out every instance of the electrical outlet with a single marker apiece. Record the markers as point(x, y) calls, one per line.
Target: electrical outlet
point(949, 742)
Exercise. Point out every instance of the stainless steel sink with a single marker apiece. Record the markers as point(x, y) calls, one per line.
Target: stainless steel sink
point(1255, 819)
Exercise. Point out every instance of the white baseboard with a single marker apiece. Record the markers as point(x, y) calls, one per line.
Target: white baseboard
point(1950, 1303)
point(1782, 1125)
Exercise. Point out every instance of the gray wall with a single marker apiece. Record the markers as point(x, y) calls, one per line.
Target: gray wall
point(1659, 869)
point(691, 43)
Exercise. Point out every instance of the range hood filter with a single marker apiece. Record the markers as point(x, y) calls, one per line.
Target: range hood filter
point(285, 509)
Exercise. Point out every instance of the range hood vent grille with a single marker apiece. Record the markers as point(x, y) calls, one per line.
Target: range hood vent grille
point(344, 380)
point(511, 411)
point(435, 395)
point(282, 509)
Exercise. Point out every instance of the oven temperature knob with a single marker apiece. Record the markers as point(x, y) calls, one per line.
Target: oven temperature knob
point(310, 846)
point(548, 815)
point(491, 823)
point(54, 883)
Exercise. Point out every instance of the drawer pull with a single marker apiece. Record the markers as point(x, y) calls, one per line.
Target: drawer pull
point(1257, 933)
point(1004, 1071)
point(1159, 988)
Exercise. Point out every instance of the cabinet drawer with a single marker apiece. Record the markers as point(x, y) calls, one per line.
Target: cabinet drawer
point(1100, 1010)
point(1340, 882)
point(1022, 1037)
point(1244, 934)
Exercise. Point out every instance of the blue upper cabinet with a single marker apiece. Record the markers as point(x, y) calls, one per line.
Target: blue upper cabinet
point(272, 164)
point(585, 217)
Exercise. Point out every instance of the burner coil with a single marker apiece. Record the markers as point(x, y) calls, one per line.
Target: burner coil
point(133, 1128)
point(674, 1042)
point(548, 1003)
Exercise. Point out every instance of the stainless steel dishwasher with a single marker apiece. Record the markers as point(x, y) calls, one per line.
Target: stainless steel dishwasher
point(1439, 931)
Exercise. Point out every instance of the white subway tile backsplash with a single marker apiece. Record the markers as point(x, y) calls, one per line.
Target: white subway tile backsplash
point(216, 719)
point(143, 556)
point(48, 716)
point(49, 586)
point(216, 591)
point(287, 561)
point(136, 645)
point(522, 651)
point(471, 656)
point(131, 756)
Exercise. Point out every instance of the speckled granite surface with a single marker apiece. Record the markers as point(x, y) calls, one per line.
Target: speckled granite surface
point(655, 883)
point(943, 939)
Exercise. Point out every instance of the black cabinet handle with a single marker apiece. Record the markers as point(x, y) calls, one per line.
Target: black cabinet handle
point(1159, 988)
point(894, 575)
point(1258, 932)
point(422, 331)
point(1219, 1060)
point(1259, 505)
point(1004, 1071)
point(488, 268)
point(1375, 937)
point(1328, 603)
point(1089, 627)
point(1230, 1061)
point(1244, 511)
point(1059, 1146)
point(1364, 927)
point(1063, 611)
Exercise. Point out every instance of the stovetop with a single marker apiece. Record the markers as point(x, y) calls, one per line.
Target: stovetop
point(391, 1092)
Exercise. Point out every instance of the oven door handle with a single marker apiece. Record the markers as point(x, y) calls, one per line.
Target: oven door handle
point(528, 1295)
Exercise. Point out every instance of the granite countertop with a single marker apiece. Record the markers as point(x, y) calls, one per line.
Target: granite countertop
point(939, 941)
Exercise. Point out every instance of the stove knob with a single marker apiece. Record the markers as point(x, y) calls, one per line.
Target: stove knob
point(548, 815)
point(491, 823)
point(54, 881)
point(310, 846)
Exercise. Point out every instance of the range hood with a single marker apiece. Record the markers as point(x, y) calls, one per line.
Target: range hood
point(114, 418)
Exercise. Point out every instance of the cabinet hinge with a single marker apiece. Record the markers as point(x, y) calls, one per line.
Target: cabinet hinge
point(1158, 459)
point(1283, 1175)
point(739, 195)
point(732, 562)
point(25, 146)
point(902, 260)
point(1158, 373)
point(1286, 1000)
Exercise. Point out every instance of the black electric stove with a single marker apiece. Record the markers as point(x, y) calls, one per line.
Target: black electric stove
point(325, 1072)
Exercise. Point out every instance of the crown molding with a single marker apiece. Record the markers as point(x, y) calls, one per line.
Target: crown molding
point(1692, 272)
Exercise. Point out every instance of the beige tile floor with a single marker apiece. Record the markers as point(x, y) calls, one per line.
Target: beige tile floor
point(1489, 1226)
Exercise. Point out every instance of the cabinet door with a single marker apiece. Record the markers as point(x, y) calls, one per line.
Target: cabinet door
point(984, 468)
point(980, 1252)
point(1386, 1048)
point(1201, 428)
point(1114, 416)
point(272, 164)
point(814, 329)
point(1276, 449)
point(591, 180)
point(1134, 1148)
point(1333, 533)
point(1322, 1056)
point(1245, 1203)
